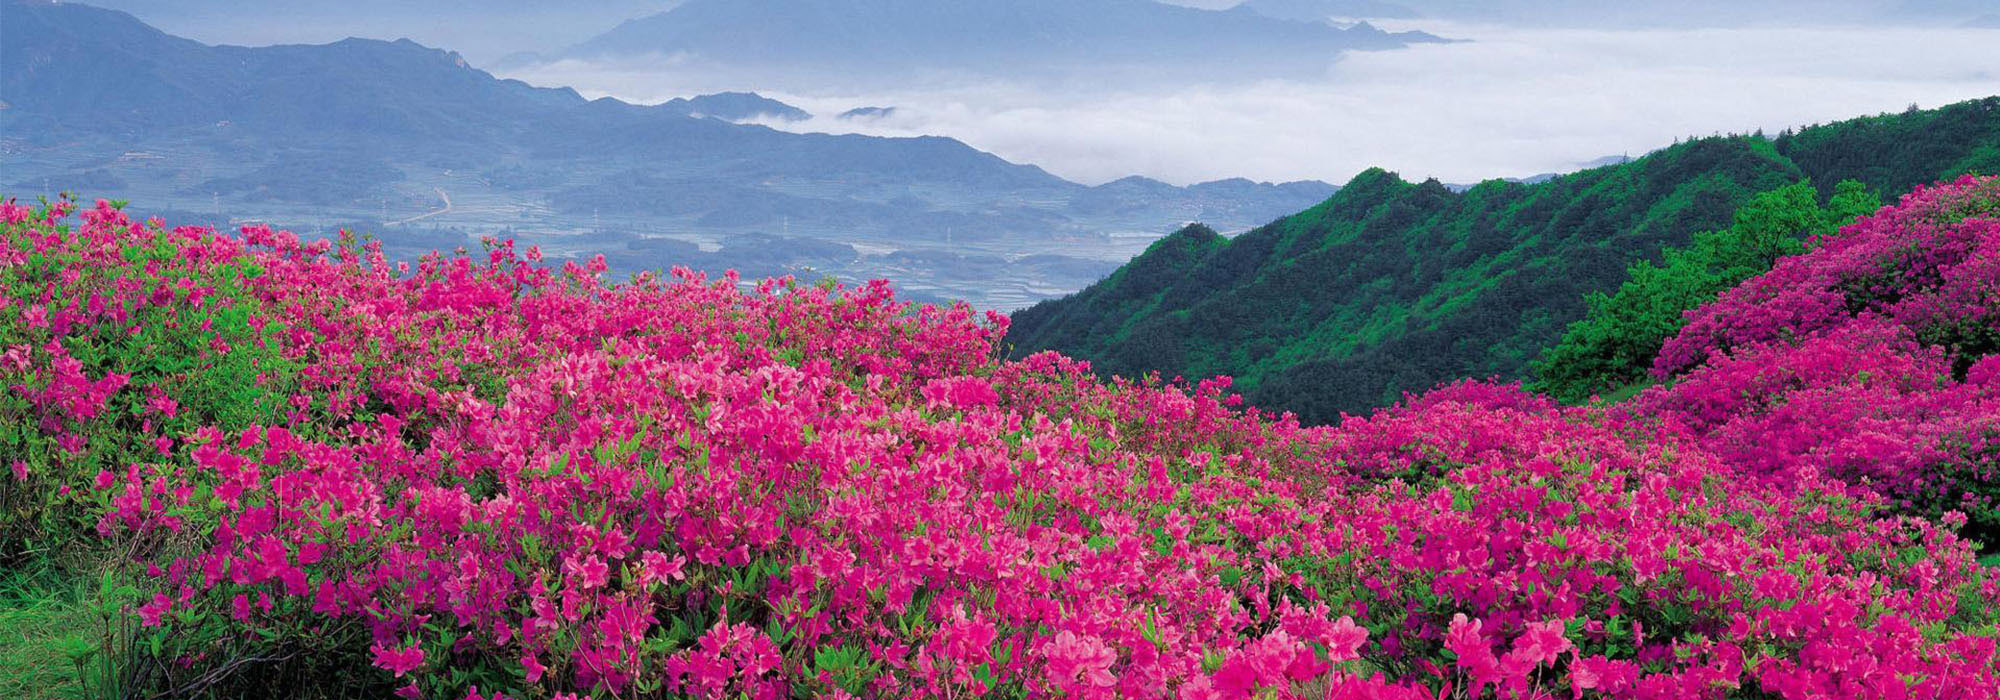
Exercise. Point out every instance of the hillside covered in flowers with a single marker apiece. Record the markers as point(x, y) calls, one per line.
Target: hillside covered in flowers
point(299, 468)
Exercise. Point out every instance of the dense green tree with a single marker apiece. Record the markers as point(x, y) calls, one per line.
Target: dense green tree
point(1614, 344)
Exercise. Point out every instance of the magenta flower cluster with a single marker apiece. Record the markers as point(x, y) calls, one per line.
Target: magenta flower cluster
point(1870, 359)
point(682, 486)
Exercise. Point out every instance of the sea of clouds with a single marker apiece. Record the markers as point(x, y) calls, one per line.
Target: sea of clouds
point(1508, 102)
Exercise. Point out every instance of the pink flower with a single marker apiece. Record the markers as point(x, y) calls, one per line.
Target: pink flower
point(151, 612)
point(1475, 653)
point(1543, 642)
point(399, 661)
point(473, 694)
point(587, 573)
point(655, 567)
point(534, 667)
point(1346, 640)
point(1198, 688)
point(726, 656)
point(960, 392)
point(1610, 676)
point(1074, 657)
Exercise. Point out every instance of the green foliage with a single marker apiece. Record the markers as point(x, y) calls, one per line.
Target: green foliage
point(1614, 344)
point(66, 628)
point(1898, 152)
point(173, 345)
point(1392, 287)
point(62, 635)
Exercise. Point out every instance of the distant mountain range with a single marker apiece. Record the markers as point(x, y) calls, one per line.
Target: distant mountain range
point(488, 30)
point(856, 40)
point(1391, 286)
point(1632, 13)
point(1539, 178)
point(402, 139)
point(482, 29)
point(868, 113)
point(1319, 10)
point(735, 107)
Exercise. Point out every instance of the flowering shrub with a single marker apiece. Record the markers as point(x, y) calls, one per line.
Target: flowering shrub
point(1928, 264)
point(484, 477)
point(115, 339)
point(1869, 359)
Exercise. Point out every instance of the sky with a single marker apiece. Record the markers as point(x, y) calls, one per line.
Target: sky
point(1510, 102)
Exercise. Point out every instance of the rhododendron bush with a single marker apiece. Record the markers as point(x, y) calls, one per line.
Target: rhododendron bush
point(1870, 359)
point(481, 476)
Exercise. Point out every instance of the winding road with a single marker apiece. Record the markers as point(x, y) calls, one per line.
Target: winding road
point(434, 212)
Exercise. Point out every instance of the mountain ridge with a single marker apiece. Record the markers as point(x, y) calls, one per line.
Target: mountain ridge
point(1390, 286)
point(366, 133)
point(842, 38)
point(736, 106)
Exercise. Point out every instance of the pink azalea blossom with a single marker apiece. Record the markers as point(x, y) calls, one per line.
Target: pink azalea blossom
point(398, 660)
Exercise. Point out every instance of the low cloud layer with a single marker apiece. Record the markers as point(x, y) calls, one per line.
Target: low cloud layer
point(1512, 102)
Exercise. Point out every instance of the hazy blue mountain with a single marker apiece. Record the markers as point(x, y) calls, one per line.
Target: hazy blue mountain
point(483, 29)
point(1319, 10)
point(1136, 185)
point(75, 69)
point(416, 144)
point(1234, 199)
point(893, 38)
point(736, 107)
point(1539, 178)
point(1240, 187)
point(868, 113)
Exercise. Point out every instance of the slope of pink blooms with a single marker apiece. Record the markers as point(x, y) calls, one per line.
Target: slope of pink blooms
point(526, 482)
point(1870, 359)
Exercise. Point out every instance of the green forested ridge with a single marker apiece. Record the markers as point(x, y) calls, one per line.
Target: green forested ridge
point(1614, 344)
point(1391, 286)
